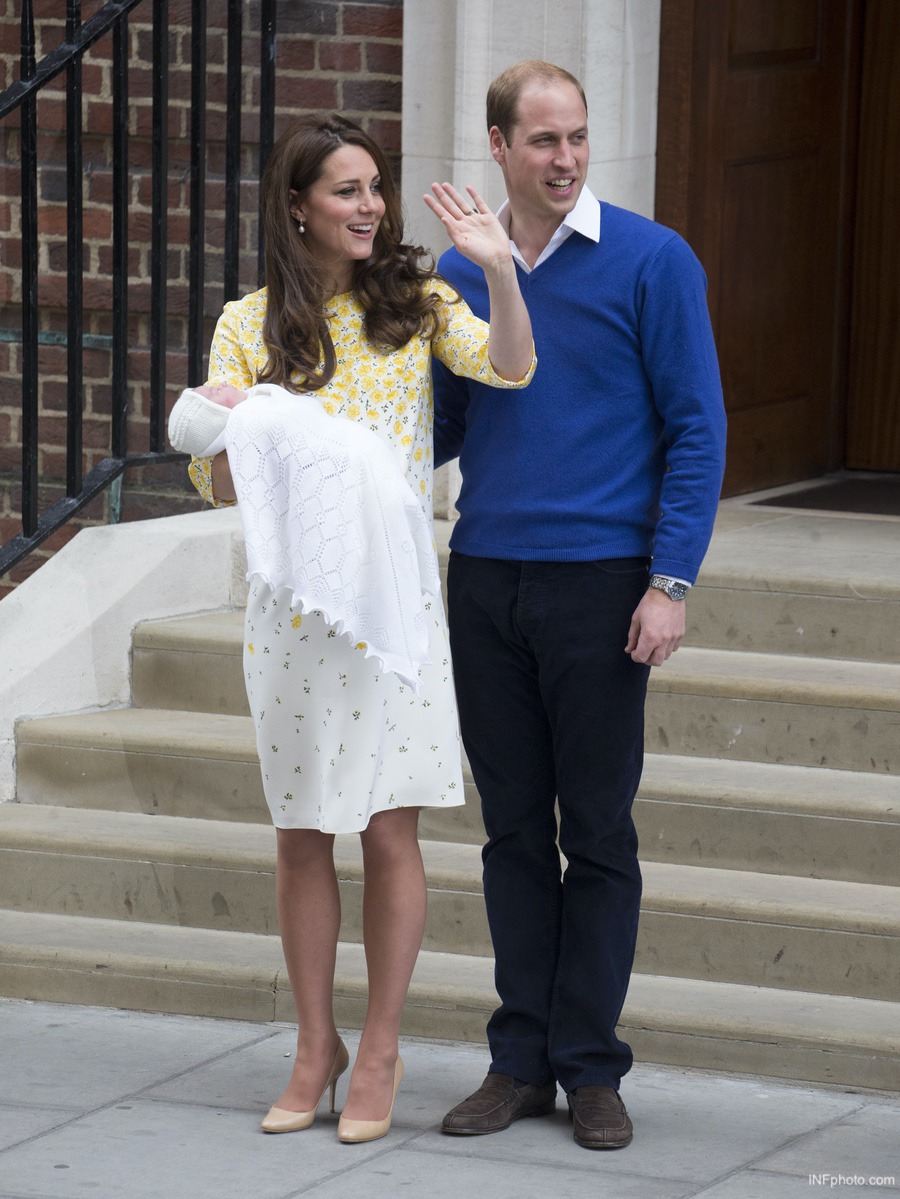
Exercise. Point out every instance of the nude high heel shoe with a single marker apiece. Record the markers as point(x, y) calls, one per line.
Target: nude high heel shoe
point(279, 1119)
point(354, 1132)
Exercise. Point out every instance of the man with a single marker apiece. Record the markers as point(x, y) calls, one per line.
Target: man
point(587, 505)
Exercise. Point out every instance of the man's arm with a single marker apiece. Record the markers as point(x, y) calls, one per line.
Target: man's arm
point(680, 359)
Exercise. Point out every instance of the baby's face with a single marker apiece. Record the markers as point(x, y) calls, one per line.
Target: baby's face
point(222, 393)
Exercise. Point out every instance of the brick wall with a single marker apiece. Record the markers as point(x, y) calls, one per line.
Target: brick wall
point(331, 55)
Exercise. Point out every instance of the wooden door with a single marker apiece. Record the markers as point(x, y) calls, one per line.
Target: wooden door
point(755, 153)
point(873, 407)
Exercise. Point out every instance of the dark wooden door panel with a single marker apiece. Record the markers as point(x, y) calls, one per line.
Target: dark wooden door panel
point(873, 426)
point(765, 125)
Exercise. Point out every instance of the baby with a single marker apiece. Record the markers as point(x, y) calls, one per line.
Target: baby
point(199, 416)
point(222, 393)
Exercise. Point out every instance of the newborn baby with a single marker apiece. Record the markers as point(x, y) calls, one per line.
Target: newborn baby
point(198, 419)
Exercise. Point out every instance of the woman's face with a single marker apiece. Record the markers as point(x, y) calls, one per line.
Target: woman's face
point(341, 212)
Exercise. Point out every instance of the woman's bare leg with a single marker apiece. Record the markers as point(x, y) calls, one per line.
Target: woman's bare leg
point(393, 924)
point(309, 910)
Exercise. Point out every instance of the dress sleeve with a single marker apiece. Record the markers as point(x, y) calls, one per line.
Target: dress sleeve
point(227, 364)
point(462, 345)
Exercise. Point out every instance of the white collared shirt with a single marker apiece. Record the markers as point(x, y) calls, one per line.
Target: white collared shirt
point(584, 218)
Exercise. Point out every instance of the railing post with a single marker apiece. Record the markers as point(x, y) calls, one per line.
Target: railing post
point(120, 240)
point(233, 151)
point(266, 113)
point(29, 283)
point(75, 257)
point(159, 239)
point(196, 279)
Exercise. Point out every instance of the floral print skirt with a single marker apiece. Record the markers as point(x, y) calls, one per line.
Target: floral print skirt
point(338, 740)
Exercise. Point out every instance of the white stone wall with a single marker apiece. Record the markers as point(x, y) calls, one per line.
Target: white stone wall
point(452, 49)
point(65, 633)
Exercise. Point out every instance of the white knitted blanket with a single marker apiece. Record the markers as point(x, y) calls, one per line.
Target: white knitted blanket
point(328, 513)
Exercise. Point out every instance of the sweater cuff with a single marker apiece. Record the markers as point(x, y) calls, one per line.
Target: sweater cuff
point(675, 568)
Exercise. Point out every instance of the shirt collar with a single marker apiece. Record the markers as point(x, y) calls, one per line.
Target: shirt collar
point(584, 219)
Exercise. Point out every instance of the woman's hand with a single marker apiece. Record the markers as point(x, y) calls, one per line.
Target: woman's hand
point(471, 225)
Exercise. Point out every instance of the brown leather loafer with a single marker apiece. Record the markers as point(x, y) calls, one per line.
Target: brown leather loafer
point(600, 1118)
point(496, 1104)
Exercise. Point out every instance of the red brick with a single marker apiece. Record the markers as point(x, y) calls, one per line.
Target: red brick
point(53, 395)
point(295, 91)
point(340, 56)
point(63, 535)
point(383, 58)
point(11, 253)
point(148, 505)
point(386, 132)
point(295, 54)
point(52, 221)
point(307, 17)
point(372, 96)
point(373, 20)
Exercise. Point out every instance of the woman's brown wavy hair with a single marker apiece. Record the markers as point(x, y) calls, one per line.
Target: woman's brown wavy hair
point(391, 284)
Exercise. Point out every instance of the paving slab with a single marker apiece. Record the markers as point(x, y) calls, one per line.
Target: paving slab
point(20, 1121)
point(739, 1119)
point(192, 1130)
point(452, 1174)
point(760, 1184)
point(865, 1143)
point(75, 1057)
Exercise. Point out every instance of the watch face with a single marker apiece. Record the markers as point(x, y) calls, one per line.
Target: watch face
point(675, 591)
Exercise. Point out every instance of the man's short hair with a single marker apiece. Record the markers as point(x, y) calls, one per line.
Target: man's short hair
point(503, 94)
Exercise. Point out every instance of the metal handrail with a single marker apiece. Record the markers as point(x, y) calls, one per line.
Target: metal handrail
point(22, 94)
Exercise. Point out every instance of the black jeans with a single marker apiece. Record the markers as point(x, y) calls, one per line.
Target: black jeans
point(551, 707)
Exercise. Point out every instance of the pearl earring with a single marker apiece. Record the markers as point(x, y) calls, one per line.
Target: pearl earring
point(301, 228)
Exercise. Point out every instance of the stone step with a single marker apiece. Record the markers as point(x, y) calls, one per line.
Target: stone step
point(842, 715)
point(732, 926)
point(692, 810)
point(803, 711)
point(718, 1026)
point(778, 819)
point(739, 815)
point(193, 664)
point(799, 583)
point(728, 612)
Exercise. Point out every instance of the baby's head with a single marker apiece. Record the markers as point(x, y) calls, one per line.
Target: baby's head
point(222, 393)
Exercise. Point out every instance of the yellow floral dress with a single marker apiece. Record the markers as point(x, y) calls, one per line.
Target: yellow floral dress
point(338, 740)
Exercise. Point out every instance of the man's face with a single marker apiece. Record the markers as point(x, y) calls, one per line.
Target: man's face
point(545, 161)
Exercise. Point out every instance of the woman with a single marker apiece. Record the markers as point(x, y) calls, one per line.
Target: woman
point(351, 314)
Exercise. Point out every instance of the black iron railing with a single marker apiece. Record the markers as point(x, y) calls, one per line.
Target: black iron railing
point(112, 19)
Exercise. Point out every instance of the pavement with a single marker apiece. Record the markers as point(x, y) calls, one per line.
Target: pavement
point(106, 1103)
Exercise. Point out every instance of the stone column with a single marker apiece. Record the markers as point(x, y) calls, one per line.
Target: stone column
point(452, 49)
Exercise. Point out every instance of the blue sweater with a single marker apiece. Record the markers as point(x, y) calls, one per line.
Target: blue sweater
point(616, 449)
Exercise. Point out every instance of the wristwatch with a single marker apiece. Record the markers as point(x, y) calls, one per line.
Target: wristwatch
point(673, 589)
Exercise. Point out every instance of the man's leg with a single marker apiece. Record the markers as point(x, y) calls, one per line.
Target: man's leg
point(508, 740)
point(594, 695)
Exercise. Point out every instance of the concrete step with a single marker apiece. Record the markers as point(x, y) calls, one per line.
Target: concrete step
point(770, 818)
point(772, 708)
point(164, 761)
point(737, 815)
point(719, 1026)
point(193, 664)
point(693, 810)
point(732, 926)
point(799, 583)
point(730, 616)
point(766, 707)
